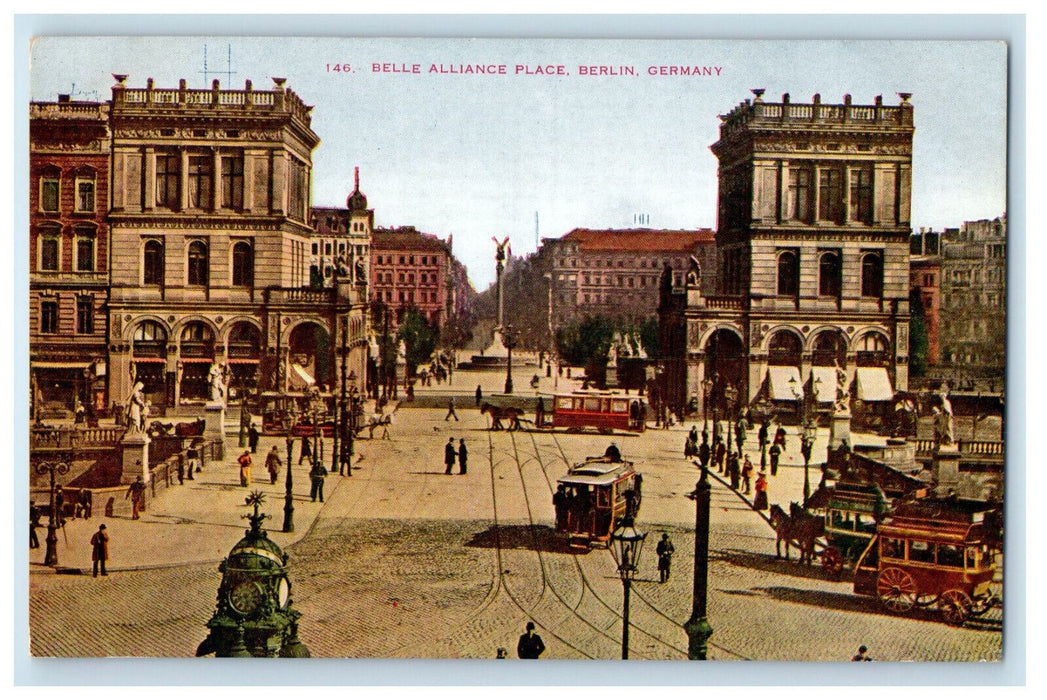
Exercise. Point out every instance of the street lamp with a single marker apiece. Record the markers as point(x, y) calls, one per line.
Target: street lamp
point(626, 545)
point(337, 455)
point(730, 396)
point(348, 426)
point(807, 427)
point(290, 420)
point(707, 392)
point(509, 340)
point(697, 627)
point(51, 554)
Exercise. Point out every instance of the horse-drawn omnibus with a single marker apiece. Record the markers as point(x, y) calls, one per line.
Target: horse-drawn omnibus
point(593, 498)
point(931, 553)
point(605, 411)
point(281, 410)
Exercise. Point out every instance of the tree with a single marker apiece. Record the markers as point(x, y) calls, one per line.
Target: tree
point(419, 338)
point(458, 331)
point(587, 343)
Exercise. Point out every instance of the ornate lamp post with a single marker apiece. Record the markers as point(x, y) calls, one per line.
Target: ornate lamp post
point(697, 627)
point(730, 396)
point(707, 392)
point(290, 418)
point(626, 545)
point(348, 425)
point(337, 457)
point(51, 554)
point(509, 340)
point(808, 429)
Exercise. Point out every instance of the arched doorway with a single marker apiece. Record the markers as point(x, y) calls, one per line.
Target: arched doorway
point(310, 356)
point(725, 364)
point(244, 350)
point(149, 361)
point(195, 355)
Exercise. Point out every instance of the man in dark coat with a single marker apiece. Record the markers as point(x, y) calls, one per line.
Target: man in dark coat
point(449, 455)
point(273, 464)
point(734, 470)
point(307, 450)
point(530, 645)
point(316, 477)
point(719, 453)
point(665, 552)
point(99, 550)
point(450, 410)
point(479, 396)
point(776, 453)
point(704, 452)
point(252, 438)
point(136, 492)
point(34, 523)
point(463, 456)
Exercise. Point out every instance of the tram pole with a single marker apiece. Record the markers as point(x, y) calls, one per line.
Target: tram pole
point(697, 627)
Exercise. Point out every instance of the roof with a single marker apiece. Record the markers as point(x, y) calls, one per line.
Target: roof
point(407, 238)
point(596, 471)
point(640, 239)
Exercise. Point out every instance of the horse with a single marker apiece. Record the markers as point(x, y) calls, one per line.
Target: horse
point(801, 529)
point(191, 429)
point(497, 413)
point(158, 429)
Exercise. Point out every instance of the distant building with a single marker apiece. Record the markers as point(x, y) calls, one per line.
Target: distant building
point(615, 272)
point(925, 274)
point(68, 255)
point(974, 297)
point(411, 269)
point(342, 235)
point(812, 251)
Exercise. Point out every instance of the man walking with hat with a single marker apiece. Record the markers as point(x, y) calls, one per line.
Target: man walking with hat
point(99, 550)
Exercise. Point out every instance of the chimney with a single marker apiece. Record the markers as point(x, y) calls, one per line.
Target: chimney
point(63, 98)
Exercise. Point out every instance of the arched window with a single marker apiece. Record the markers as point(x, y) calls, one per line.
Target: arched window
point(153, 263)
point(788, 273)
point(150, 340)
point(872, 276)
point(197, 266)
point(785, 348)
point(872, 350)
point(197, 341)
point(243, 265)
point(829, 282)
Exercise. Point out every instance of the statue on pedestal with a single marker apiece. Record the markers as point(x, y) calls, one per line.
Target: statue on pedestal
point(943, 423)
point(216, 379)
point(136, 409)
point(843, 396)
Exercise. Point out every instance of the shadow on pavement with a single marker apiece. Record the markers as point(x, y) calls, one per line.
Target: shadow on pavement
point(537, 538)
point(765, 562)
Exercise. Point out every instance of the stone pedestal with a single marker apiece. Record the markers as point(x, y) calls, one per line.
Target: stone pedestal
point(214, 426)
point(134, 459)
point(840, 429)
point(945, 469)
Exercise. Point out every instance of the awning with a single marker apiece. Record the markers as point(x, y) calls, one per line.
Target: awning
point(874, 384)
point(157, 360)
point(782, 381)
point(60, 365)
point(242, 361)
point(826, 388)
point(300, 376)
point(197, 360)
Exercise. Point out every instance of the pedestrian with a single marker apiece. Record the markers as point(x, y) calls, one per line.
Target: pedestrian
point(34, 523)
point(719, 453)
point(192, 456)
point(272, 464)
point(779, 437)
point(449, 455)
point(862, 655)
point(776, 454)
point(501, 653)
point(252, 438)
point(316, 477)
point(450, 410)
point(694, 436)
point(85, 503)
point(539, 413)
point(463, 456)
point(760, 502)
point(479, 396)
point(747, 475)
point(764, 434)
point(704, 452)
point(181, 471)
point(733, 470)
point(136, 492)
point(530, 645)
point(99, 551)
point(81, 413)
point(560, 505)
point(60, 504)
point(245, 468)
point(307, 450)
point(665, 551)
point(739, 431)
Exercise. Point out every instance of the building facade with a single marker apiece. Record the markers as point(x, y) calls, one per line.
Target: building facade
point(812, 249)
point(68, 256)
point(925, 287)
point(342, 239)
point(210, 225)
point(411, 269)
point(974, 297)
point(615, 272)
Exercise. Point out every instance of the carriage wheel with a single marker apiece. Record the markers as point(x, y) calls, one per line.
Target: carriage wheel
point(896, 590)
point(832, 561)
point(955, 606)
point(982, 605)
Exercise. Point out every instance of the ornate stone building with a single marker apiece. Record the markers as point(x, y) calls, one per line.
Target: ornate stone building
point(342, 235)
point(211, 244)
point(812, 253)
point(68, 255)
point(411, 269)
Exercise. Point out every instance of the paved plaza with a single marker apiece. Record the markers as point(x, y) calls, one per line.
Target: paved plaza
point(404, 561)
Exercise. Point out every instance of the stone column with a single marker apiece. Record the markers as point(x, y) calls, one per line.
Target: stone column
point(134, 457)
point(840, 429)
point(945, 469)
point(214, 425)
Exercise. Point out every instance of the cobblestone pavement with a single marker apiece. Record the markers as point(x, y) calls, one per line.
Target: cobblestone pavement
point(404, 561)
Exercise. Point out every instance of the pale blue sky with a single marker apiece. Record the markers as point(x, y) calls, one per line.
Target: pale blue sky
point(477, 156)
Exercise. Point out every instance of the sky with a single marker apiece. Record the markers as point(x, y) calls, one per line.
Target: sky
point(478, 156)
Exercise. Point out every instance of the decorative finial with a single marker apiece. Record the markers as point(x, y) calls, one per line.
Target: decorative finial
point(758, 92)
point(256, 499)
point(120, 78)
point(356, 177)
point(279, 82)
point(905, 97)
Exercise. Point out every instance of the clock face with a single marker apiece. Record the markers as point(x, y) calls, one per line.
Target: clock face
point(245, 597)
point(283, 591)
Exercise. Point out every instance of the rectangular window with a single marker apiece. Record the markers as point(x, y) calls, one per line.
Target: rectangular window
point(85, 254)
point(299, 191)
point(861, 195)
point(168, 172)
point(49, 251)
point(800, 194)
point(200, 181)
point(85, 323)
point(233, 182)
point(921, 551)
point(85, 195)
point(49, 195)
point(49, 316)
point(830, 194)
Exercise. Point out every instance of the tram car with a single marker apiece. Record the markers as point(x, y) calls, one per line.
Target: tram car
point(931, 553)
point(851, 513)
point(594, 497)
point(604, 411)
point(290, 411)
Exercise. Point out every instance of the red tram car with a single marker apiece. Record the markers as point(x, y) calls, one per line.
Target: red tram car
point(604, 411)
point(282, 410)
point(594, 496)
